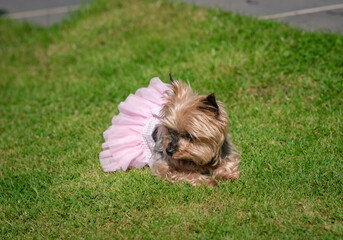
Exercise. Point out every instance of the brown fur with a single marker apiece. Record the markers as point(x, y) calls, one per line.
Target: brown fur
point(195, 140)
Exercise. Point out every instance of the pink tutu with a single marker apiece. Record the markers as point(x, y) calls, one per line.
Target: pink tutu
point(128, 142)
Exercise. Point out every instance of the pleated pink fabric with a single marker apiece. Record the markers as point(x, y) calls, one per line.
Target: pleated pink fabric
point(128, 141)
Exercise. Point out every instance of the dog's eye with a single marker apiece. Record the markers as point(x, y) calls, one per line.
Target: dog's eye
point(189, 137)
point(172, 132)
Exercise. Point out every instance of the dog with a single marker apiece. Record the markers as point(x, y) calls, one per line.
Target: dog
point(192, 143)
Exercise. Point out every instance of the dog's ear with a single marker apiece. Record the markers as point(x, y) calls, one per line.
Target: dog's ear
point(211, 104)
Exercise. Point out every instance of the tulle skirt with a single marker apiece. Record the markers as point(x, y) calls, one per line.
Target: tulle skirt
point(128, 141)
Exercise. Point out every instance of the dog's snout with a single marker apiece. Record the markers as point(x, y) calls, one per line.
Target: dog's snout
point(170, 151)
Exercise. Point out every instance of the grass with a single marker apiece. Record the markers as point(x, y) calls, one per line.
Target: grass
point(60, 87)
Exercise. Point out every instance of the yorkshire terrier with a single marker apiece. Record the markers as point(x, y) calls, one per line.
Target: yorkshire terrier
point(192, 143)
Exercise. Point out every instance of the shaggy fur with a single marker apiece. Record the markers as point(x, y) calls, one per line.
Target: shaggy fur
point(192, 142)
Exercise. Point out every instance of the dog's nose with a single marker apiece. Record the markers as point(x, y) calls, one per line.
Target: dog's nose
point(170, 151)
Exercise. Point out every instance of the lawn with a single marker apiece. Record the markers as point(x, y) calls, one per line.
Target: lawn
point(60, 87)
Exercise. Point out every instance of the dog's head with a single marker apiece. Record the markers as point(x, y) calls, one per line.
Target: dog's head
point(194, 127)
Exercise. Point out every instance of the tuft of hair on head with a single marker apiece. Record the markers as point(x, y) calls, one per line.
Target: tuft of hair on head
point(172, 81)
point(178, 88)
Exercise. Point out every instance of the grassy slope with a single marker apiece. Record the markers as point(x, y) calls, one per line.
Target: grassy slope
point(60, 87)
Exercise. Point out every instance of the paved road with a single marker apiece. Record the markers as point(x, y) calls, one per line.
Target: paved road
point(325, 15)
point(43, 12)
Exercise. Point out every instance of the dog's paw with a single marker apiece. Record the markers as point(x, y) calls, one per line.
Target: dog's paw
point(226, 172)
point(212, 183)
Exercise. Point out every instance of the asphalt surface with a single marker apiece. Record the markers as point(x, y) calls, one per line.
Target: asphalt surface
point(42, 12)
point(322, 15)
point(316, 18)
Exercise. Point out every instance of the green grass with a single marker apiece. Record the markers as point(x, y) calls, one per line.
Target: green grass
point(60, 87)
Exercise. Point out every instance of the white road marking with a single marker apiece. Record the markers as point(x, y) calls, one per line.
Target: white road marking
point(303, 11)
point(42, 12)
